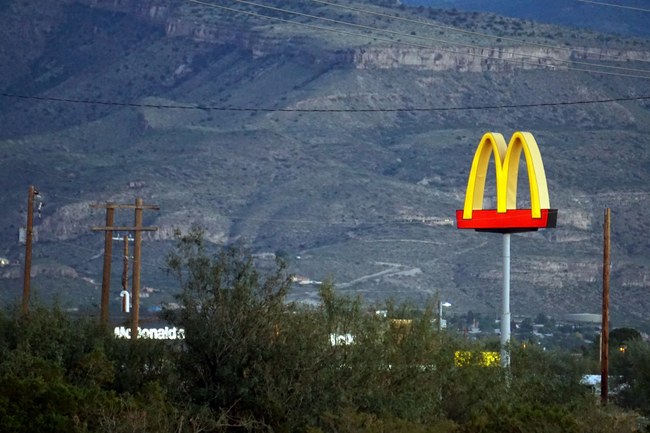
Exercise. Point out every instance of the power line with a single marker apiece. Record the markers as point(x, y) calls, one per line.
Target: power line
point(520, 60)
point(615, 5)
point(114, 255)
point(325, 110)
point(468, 32)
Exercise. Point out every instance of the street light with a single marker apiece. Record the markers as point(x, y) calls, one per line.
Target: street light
point(440, 305)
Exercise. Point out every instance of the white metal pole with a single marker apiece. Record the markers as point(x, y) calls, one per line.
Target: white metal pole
point(505, 307)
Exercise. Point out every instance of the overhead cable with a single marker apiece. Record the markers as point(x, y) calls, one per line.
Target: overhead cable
point(325, 110)
point(615, 5)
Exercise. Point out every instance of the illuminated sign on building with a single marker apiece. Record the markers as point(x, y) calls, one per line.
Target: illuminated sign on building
point(341, 339)
point(506, 218)
point(481, 359)
point(165, 333)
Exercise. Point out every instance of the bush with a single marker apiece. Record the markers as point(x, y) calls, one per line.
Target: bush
point(252, 361)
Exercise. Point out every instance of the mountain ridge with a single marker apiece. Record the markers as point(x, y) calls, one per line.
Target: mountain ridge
point(621, 17)
point(344, 191)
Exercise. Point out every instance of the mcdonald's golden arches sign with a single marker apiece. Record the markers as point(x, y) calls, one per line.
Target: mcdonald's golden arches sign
point(506, 218)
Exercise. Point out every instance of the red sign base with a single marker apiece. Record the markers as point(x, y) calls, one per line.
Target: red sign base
point(511, 221)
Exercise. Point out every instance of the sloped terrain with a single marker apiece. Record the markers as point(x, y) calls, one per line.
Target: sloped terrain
point(364, 198)
point(623, 17)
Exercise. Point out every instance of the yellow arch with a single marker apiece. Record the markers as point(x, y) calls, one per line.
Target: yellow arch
point(506, 162)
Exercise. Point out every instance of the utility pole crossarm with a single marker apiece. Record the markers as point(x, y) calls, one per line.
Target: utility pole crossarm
point(109, 228)
point(124, 206)
point(124, 229)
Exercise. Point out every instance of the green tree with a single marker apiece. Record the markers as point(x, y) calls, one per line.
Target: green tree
point(234, 322)
point(619, 337)
point(252, 360)
point(547, 377)
point(52, 370)
point(257, 361)
point(58, 374)
point(632, 371)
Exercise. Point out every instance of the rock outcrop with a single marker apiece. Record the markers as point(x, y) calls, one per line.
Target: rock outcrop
point(437, 58)
point(484, 59)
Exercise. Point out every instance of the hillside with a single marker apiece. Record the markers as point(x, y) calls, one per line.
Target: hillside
point(364, 198)
point(628, 17)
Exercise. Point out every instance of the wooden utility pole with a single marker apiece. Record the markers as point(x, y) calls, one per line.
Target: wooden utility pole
point(137, 229)
point(137, 253)
point(604, 354)
point(29, 229)
point(108, 255)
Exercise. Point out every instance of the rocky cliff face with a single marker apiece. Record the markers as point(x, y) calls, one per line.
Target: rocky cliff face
point(442, 58)
point(480, 59)
point(246, 39)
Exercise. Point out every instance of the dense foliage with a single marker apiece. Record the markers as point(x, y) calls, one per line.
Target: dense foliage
point(253, 362)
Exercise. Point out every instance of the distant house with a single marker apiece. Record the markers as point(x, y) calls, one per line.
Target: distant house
point(592, 381)
point(584, 318)
point(303, 281)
